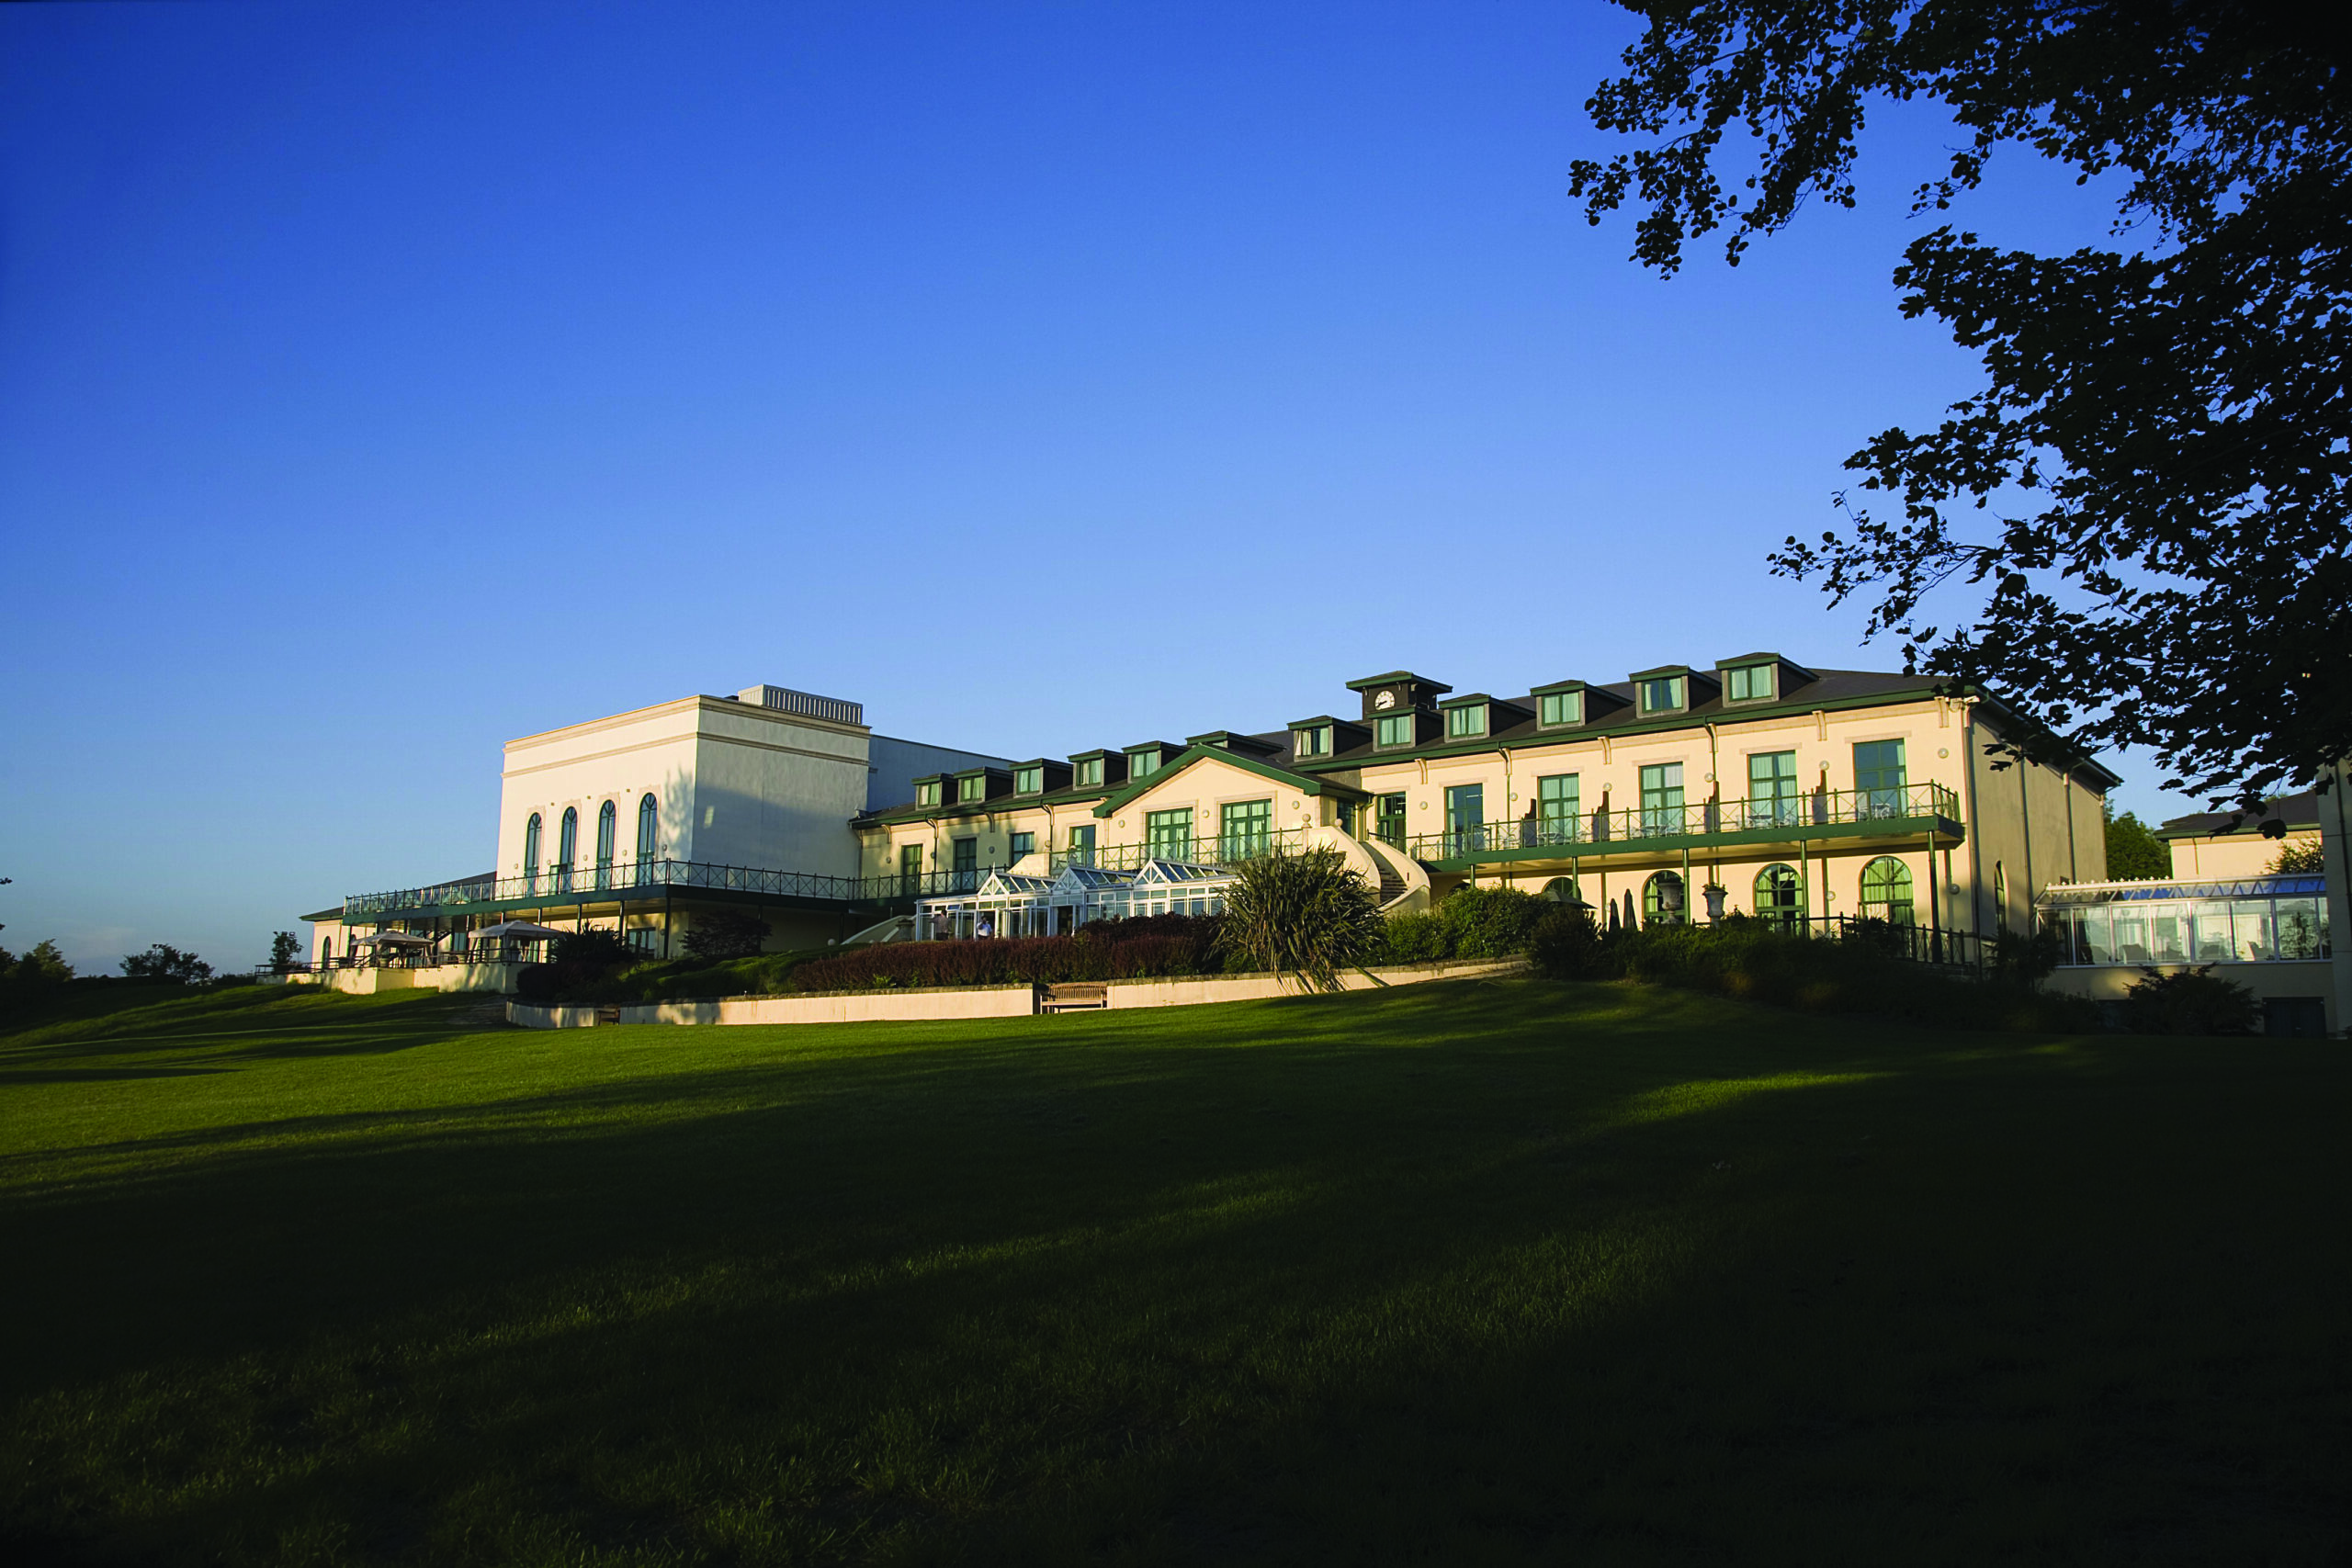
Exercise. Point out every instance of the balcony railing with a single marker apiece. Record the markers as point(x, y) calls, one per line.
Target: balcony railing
point(624, 879)
point(1213, 849)
point(1596, 831)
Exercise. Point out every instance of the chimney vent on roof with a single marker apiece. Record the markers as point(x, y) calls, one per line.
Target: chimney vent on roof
point(784, 699)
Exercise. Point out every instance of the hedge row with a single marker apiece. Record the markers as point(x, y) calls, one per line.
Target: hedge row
point(1151, 948)
point(1750, 959)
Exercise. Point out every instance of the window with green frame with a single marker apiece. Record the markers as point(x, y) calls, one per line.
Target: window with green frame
point(967, 855)
point(1747, 683)
point(1772, 789)
point(1244, 827)
point(1878, 774)
point(1388, 820)
point(1315, 741)
point(1088, 774)
point(1780, 895)
point(911, 864)
point(1393, 729)
point(1466, 722)
point(1559, 707)
point(1168, 835)
point(1028, 781)
point(1886, 892)
point(1558, 809)
point(1019, 844)
point(1465, 819)
point(1142, 764)
point(1663, 694)
point(971, 789)
point(1662, 799)
point(1082, 845)
point(1662, 900)
point(927, 793)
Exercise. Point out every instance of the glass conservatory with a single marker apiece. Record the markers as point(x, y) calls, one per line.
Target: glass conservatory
point(2278, 917)
point(1009, 905)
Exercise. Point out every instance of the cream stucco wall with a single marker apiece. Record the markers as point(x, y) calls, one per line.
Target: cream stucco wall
point(2214, 855)
point(737, 785)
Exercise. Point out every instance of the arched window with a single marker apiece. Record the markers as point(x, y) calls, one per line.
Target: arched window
point(567, 849)
point(1561, 890)
point(1887, 891)
point(326, 952)
point(2000, 896)
point(1780, 895)
point(607, 819)
point(648, 827)
point(531, 854)
point(1662, 899)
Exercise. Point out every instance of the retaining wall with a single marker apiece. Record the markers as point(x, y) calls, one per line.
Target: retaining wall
point(985, 1001)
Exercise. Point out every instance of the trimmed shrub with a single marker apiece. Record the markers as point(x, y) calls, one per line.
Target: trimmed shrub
point(2189, 1001)
point(1415, 939)
point(1753, 959)
point(1490, 922)
point(1566, 945)
point(1148, 948)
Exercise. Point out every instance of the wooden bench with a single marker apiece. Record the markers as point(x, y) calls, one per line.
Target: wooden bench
point(1073, 996)
point(608, 1014)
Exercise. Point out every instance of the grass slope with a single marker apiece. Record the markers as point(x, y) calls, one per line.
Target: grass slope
point(1463, 1273)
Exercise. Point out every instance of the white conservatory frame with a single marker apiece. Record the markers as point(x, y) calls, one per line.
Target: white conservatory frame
point(1015, 905)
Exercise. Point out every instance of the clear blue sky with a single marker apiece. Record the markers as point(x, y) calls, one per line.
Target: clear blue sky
point(382, 383)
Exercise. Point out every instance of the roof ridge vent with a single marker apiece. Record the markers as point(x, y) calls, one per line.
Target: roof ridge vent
point(784, 699)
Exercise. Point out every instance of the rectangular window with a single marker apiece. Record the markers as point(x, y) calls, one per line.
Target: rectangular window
point(1315, 742)
point(1560, 708)
point(1028, 781)
point(1395, 729)
point(1772, 789)
point(1082, 845)
point(1558, 809)
point(2302, 928)
point(1464, 723)
point(1088, 773)
point(1142, 764)
point(1878, 776)
point(1662, 799)
point(1246, 828)
point(971, 789)
point(1168, 835)
point(927, 793)
point(1749, 683)
point(967, 865)
point(1021, 844)
point(1389, 821)
point(911, 864)
point(1465, 819)
point(1663, 694)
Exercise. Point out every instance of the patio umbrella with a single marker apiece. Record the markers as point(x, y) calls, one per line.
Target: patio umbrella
point(398, 938)
point(517, 931)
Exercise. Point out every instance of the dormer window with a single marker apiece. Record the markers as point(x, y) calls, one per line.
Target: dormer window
point(1086, 774)
point(1557, 708)
point(1028, 781)
point(927, 793)
point(1143, 764)
point(1466, 722)
point(1750, 684)
point(1665, 694)
point(971, 787)
point(1313, 741)
point(1392, 730)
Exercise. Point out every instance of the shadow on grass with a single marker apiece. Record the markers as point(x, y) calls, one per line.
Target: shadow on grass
point(1497, 1273)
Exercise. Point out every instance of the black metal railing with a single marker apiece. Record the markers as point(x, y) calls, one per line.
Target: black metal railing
point(628, 878)
point(1213, 849)
point(1597, 831)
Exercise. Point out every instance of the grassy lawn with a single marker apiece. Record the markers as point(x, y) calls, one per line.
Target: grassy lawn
point(1465, 1273)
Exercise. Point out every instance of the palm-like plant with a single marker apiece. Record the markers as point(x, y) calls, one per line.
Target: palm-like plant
point(1306, 914)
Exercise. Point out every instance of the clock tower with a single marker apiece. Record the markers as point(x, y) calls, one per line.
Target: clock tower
point(1399, 691)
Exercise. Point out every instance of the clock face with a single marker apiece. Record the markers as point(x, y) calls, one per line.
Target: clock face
point(1384, 700)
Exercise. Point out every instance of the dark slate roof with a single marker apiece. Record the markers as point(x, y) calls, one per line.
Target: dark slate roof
point(2290, 811)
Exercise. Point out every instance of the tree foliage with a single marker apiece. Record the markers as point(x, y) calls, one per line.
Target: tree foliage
point(2133, 851)
point(284, 951)
point(2148, 492)
point(165, 962)
point(1303, 914)
point(727, 934)
point(2301, 855)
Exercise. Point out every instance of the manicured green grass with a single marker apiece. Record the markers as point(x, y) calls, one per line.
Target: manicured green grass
point(1463, 1273)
